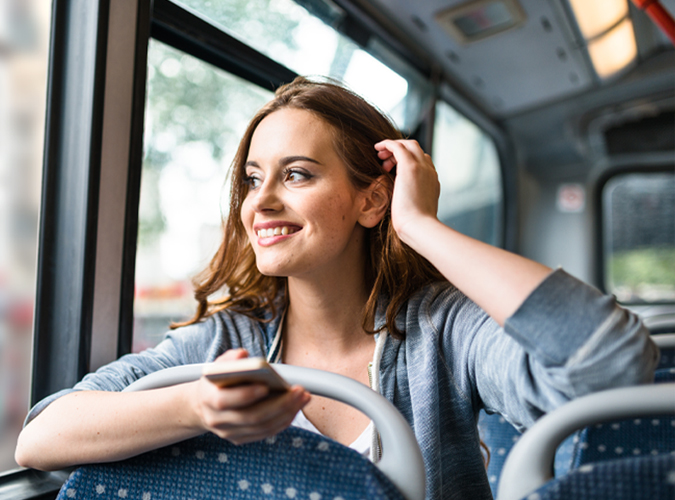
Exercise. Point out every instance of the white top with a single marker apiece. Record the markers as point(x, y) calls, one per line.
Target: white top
point(361, 444)
point(367, 444)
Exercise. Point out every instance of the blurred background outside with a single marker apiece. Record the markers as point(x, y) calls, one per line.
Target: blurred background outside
point(639, 237)
point(24, 45)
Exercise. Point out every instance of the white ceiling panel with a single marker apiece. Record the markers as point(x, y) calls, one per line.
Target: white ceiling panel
point(505, 73)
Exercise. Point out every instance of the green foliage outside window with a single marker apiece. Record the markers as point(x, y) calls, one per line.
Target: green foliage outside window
point(647, 273)
point(639, 236)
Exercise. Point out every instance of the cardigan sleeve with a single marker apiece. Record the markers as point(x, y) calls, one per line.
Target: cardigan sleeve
point(566, 340)
point(196, 343)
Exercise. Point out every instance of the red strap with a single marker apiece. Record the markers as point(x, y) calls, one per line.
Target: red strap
point(659, 15)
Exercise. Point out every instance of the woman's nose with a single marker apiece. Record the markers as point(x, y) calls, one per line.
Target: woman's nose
point(266, 197)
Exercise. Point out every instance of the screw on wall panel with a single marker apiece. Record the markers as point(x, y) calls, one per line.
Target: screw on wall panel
point(561, 53)
point(452, 55)
point(419, 23)
point(546, 24)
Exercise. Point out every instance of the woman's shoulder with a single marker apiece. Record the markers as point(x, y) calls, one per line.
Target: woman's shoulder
point(227, 327)
point(223, 320)
point(438, 295)
point(440, 306)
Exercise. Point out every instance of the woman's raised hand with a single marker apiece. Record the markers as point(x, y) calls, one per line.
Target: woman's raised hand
point(498, 281)
point(244, 414)
point(416, 187)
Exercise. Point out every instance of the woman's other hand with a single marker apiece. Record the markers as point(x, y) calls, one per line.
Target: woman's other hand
point(497, 280)
point(416, 187)
point(245, 413)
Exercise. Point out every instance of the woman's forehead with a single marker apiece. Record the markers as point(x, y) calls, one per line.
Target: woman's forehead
point(291, 131)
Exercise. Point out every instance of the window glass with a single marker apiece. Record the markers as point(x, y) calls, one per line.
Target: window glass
point(291, 35)
point(638, 212)
point(24, 45)
point(471, 183)
point(195, 115)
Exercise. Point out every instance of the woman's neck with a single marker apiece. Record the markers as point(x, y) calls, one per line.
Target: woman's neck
point(326, 315)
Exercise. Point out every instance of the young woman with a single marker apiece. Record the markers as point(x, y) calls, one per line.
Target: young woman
point(333, 258)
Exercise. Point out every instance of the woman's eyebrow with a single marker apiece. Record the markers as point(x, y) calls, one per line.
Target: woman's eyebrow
point(286, 160)
point(292, 159)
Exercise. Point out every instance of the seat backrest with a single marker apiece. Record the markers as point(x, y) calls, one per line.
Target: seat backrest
point(667, 359)
point(294, 464)
point(500, 436)
point(637, 478)
point(591, 444)
point(303, 456)
point(530, 463)
point(666, 343)
point(647, 435)
point(401, 458)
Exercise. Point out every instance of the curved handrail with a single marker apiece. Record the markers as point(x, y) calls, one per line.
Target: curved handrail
point(401, 458)
point(530, 463)
point(664, 340)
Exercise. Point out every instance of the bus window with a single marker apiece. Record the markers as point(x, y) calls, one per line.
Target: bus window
point(471, 183)
point(638, 210)
point(291, 35)
point(195, 116)
point(24, 40)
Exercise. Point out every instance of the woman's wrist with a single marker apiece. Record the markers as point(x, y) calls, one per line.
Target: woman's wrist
point(418, 233)
point(192, 402)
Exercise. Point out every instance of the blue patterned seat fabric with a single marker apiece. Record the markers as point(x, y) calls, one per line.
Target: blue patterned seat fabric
point(641, 478)
point(627, 438)
point(500, 436)
point(624, 459)
point(294, 464)
point(667, 359)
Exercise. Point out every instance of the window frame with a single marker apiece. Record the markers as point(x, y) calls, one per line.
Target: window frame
point(188, 32)
point(507, 237)
point(640, 165)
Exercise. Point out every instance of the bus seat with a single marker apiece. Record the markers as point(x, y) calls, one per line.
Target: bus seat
point(529, 466)
point(639, 478)
point(500, 436)
point(666, 343)
point(294, 464)
point(648, 435)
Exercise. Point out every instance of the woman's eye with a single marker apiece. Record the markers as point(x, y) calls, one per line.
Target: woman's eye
point(253, 181)
point(296, 176)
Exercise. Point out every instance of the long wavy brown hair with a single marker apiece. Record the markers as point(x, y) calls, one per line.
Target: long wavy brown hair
point(393, 270)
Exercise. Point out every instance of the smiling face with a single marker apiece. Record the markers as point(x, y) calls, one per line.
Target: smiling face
point(301, 212)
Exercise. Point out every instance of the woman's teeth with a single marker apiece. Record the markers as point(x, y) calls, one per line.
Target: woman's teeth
point(275, 231)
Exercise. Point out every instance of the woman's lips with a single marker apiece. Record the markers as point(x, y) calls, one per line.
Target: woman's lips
point(276, 231)
point(270, 233)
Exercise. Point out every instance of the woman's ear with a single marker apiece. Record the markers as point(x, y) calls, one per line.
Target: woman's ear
point(376, 200)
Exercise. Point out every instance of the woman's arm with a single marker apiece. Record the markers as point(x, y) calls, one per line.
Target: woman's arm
point(97, 426)
point(497, 280)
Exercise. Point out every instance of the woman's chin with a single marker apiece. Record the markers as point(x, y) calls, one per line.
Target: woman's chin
point(272, 270)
